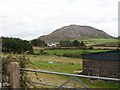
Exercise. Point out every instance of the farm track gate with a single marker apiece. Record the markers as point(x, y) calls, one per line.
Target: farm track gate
point(14, 73)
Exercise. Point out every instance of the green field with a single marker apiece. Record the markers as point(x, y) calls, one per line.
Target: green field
point(60, 64)
point(61, 52)
point(90, 42)
point(64, 65)
point(55, 63)
point(57, 67)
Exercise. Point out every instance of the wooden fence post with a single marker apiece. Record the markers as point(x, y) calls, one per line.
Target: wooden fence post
point(13, 71)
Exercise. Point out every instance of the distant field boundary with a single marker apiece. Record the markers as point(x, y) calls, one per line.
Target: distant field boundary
point(106, 48)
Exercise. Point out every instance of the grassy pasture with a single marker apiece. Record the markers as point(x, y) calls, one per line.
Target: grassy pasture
point(61, 64)
point(69, 51)
point(90, 42)
point(64, 65)
point(53, 58)
point(57, 67)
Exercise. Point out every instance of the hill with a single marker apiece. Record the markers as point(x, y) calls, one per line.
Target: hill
point(74, 32)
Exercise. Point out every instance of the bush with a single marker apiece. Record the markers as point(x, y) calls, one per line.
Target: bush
point(22, 60)
point(5, 62)
point(90, 48)
point(72, 55)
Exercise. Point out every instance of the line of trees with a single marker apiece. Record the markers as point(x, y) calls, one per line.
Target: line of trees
point(38, 42)
point(16, 45)
point(68, 43)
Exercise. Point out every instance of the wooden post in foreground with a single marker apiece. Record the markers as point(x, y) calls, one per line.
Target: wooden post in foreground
point(13, 71)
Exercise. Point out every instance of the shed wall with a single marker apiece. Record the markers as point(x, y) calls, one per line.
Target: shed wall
point(104, 68)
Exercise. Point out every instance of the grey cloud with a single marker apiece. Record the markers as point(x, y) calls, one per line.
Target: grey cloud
point(32, 18)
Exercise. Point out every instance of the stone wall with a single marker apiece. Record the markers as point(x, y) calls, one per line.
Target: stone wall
point(12, 77)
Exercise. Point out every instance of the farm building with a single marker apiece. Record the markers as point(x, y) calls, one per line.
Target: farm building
point(104, 64)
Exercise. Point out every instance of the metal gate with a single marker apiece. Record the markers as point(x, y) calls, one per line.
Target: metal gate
point(74, 78)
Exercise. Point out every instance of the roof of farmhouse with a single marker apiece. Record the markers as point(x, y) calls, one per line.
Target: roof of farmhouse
point(103, 56)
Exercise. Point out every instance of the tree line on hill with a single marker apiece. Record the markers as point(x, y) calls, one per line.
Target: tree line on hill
point(75, 43)
point(38, 42)
point(64, 43)
point(16, 45)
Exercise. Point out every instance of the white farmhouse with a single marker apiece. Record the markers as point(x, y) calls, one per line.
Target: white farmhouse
point(52, 44)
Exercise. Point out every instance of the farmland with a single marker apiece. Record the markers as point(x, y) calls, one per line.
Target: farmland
point(56, 61)
point(59, 64)
point(64, 65)
point(90, 42)
point(61, 52)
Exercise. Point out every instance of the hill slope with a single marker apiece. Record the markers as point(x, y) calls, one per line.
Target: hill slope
point(74, 32)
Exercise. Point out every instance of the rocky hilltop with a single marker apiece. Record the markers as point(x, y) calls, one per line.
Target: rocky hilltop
point(74, 32)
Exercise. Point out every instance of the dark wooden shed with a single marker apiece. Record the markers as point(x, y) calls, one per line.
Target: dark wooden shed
point(102, 64)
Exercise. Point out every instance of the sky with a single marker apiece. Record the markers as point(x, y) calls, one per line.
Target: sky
point(29, 19)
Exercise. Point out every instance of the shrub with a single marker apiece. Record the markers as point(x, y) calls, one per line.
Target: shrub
point(90, 48)
point(72, 55)
point(22, 60)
